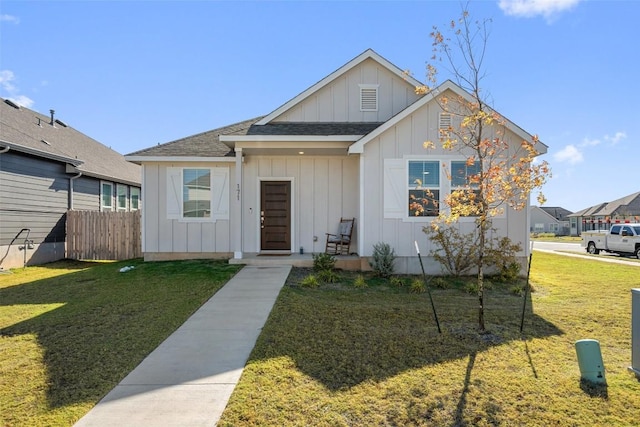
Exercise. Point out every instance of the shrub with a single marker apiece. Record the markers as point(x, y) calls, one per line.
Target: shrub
point(359, 282)
point(456, 251)
point(323, 261)
point(396, 281)
point(383, 259)
point(310, 281)
point(440, 283)
point(328, 276)
point(418, 286)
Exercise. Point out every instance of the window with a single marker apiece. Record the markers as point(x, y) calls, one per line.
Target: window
point(106, 196)
point(122, 197)
point(424, 188)
point(463, 174)
point(538, 227)
point(135, 198)
point(196, 193)
point(554, 227)
point(616, 229)
point(368, 97)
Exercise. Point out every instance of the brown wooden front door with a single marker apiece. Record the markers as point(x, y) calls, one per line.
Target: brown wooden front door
point(275, 215)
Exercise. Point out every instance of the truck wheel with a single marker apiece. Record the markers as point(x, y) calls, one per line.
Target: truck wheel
point(591, 248)
point(638, 252)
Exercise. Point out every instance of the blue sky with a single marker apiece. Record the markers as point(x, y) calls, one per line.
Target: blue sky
point(134, 74)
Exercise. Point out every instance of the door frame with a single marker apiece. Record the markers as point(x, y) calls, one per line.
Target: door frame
point(292, 210)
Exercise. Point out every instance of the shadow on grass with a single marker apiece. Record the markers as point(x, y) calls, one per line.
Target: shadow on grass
point(101, 323)
point(344, 337)
point(596, 390)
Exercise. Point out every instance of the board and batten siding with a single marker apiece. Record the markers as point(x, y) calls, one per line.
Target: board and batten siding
point(339, 101)
point(324, 189)
point(385, 184)
point(167, 237)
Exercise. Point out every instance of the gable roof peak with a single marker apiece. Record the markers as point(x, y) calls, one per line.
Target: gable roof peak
point(367, 54)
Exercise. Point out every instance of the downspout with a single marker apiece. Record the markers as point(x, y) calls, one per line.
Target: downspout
point(5, 149)
point(71, 169)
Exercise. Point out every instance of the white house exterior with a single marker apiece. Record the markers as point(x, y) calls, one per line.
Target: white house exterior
point(344, 148)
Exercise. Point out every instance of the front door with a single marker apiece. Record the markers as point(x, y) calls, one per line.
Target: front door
point(275, 215)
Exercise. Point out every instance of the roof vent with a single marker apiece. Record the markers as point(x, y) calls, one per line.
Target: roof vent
point(445, 125)
point(368, 97)
point(45, 141)
point(52, 122)
point(11, 103)
point(61, 123)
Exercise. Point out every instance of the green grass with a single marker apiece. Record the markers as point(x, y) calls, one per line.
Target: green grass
point(70, 331)
point(337, 355)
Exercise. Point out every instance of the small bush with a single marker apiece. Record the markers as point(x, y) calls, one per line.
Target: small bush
point(510, 272)
point(418, 286)
point(440, 283)
point(323, 261)
point(328, 276)
point(396, 281)
point(383, 259)
point(359, 282)
point(310, 281)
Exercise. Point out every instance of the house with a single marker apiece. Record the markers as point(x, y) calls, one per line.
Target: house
point(549, 220)
point(46, 168)
point(602, 215)
point(346, 147)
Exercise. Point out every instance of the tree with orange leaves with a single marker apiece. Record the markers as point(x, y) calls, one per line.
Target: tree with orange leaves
point(502, 174)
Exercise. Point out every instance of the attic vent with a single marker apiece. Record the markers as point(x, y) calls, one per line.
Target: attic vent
point(13, 104)
point(445, 124)
point(368, 97)
point(45, 141)
point(61, 123)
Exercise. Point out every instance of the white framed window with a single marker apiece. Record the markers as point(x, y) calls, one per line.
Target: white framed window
point(423, 187)
point(122, 195)
point(135, 198)
point(106, 196)
point(368, 97)
point(538, 227)
point(554, 227)
point(197, 194)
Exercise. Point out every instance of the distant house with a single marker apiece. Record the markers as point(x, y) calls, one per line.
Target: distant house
point(601, 216)
point(47, 168)
point(549, 220)
point(350, 146)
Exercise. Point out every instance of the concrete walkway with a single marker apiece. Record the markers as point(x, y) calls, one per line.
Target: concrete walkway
point(188, 379)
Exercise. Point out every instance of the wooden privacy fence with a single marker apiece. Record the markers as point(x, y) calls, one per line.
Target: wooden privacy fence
point(103, 235)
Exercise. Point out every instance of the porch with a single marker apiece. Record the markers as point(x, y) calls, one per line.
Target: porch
point(343, 262)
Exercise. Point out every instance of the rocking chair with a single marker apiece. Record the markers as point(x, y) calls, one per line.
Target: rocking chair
point(339, 243)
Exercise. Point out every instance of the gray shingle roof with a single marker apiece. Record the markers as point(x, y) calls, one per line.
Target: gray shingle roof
point(628, 205)
point(27, 130)
point(558, 213)
point(205, 144)
point(315, 128)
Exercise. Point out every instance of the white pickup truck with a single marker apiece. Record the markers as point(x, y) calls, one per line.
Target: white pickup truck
point(622, 239)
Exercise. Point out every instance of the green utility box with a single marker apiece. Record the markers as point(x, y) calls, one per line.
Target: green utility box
point(635, 332)
point(590, 361)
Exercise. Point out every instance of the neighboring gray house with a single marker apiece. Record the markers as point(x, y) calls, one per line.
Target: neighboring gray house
point(350, 146)
point(549, 220)
point(47, 168)
point(601, 216)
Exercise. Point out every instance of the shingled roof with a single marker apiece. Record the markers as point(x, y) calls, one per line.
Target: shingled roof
point(313, 128)
point(28, 131)
point(205, 144)
point(628, 205)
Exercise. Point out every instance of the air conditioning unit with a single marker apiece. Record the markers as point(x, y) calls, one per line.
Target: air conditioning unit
point(635, 332)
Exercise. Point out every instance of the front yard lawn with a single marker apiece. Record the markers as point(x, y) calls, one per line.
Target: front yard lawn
point(337, 355)
point(70, 331)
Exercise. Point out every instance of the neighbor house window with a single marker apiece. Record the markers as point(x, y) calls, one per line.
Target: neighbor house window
point(106, 196)
point(538, 227)
point(196, 193)
point(553, 227)
point(122, 197)
point(135, 198)
point(424, 188)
